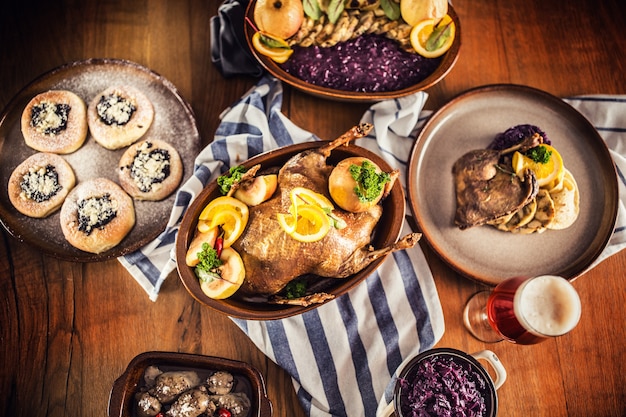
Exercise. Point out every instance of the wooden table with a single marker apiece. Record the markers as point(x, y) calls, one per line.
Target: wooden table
point(68, 330)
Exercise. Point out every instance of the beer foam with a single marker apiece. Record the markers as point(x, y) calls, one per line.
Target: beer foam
point(547, 305)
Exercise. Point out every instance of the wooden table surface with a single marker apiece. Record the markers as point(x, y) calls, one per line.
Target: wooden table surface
point(68, 330)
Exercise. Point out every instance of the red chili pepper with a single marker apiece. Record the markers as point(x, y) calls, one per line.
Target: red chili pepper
point(219, 244)
point(222, 412)
point(160, 415)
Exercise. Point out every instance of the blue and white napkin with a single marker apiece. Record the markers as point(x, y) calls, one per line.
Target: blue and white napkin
point(342, 355)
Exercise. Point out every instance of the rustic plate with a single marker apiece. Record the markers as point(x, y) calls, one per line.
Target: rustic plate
point(471, 121)
point(173, 123)
point(448, 61)
point(248, 378)
point(386, 233)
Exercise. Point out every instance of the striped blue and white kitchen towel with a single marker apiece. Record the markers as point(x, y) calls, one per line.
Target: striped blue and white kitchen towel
point(342, 355)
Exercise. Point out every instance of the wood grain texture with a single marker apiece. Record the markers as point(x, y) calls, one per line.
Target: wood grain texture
point(67, 331)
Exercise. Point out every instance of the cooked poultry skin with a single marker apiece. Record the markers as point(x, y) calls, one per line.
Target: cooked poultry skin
point(273, 258)
point(486, 191)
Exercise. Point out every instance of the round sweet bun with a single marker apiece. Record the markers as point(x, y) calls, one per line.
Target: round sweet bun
point(96, 215)
point(55, 121)
point(119, 116)
point(38, 186)
point(150, 170)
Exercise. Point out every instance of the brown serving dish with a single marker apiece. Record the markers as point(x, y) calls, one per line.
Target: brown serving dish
point(386, 233)
point(248, 379)
point(448, 61)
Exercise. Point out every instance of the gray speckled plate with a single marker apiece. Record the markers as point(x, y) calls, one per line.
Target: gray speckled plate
point(174, 122)
point(471, 121)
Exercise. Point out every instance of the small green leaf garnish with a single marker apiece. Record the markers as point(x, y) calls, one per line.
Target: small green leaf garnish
point(391, 9)
point(273, 43)
point(439, 37)
point(369, 183)
point(295, 289)
point(312, 9)
point(539, 154)
point(334, 10)
point(226, 181)
point(336, 222)
point(207, 268)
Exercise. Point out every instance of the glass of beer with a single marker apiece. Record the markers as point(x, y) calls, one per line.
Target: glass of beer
point(524, 310)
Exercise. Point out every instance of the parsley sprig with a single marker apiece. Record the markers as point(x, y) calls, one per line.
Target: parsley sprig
point(208, 267)
point(369, 183)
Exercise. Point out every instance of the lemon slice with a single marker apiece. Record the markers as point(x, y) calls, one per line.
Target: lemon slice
point(312, 224)
point(275, 48)
point(431, 39)
point(220, 203)
point(232, 224)
point(300, 196)
point(547, 174)
point(287, 222)
point(228, 213)
point(309, 224)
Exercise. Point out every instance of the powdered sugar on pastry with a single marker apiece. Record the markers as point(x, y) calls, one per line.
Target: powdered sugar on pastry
point(119, 116)
point(55, 121)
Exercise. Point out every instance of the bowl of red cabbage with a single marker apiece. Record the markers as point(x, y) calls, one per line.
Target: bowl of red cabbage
point(369, 67)
point(447, 382)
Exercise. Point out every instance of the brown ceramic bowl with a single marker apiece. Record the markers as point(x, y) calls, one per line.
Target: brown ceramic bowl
point(386, 233)
point(248, 379)
point(448, 61)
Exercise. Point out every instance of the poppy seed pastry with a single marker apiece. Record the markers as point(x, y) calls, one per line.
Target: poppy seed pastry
point(150, 170)
point(55, 121)
point(38, 186)
point(119, 116)
point(96, 215)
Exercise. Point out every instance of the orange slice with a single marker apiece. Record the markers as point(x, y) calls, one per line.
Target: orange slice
point(548, 175)
point(432, 39)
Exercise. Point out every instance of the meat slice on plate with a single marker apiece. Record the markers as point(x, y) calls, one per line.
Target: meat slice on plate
point(487, 190)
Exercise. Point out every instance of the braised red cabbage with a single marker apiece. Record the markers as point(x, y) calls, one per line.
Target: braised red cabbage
point(368, 63)
point(440, 386)
point(516, 134)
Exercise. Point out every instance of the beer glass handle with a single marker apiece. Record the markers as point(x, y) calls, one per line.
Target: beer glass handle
point(495, 363)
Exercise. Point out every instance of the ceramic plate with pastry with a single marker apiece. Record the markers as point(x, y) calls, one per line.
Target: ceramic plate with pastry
point(173, 122)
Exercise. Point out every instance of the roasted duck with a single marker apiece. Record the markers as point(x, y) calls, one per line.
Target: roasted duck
point(485, 191)
point(273, 259)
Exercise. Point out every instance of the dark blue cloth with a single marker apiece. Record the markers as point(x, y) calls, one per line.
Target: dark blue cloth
point(229, 50)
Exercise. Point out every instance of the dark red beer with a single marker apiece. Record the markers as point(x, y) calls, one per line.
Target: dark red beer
point(527, 311)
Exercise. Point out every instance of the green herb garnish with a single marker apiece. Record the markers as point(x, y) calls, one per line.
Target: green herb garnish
point(273, 43)
point(295, 289)
point(207, 268)
point(226, 181)
point(369, 183)
point(539, 154)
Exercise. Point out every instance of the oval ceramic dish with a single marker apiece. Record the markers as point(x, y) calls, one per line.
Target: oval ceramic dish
point(471, 121)
point(249, 379)
point(386, 233)
point(174, 123)
point(448, 61)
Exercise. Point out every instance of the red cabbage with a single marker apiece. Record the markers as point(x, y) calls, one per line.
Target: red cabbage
point(516, 134)
point(440, 386)
point(368, 63)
